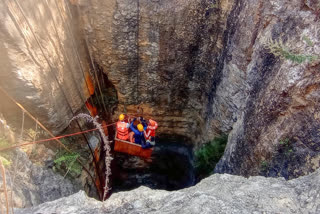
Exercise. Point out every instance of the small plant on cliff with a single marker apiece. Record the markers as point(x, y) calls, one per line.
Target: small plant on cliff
point(277, 48)
point(4, 143)
point(208, 156)
point(68, 162)
point(285, 147)
point(308, 41)
point(5, 161)
point(264, 165)
point(284, 142)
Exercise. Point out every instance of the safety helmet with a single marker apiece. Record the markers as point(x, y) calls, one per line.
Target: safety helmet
point(140, 127)
point(152, 122)
point(121, 117)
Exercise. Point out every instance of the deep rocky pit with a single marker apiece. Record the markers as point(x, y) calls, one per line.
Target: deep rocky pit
point(170, 168)
point(200, 68)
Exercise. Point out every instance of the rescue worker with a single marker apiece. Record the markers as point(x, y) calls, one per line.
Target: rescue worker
point(139, 135)
point(142, 121)
point(122, 128)
point(150, 133)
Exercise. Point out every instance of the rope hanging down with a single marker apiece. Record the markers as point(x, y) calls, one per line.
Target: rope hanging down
point(93, 66)
point(64, 53)
point(44, 128)
point(53, 73)
point(74, 45)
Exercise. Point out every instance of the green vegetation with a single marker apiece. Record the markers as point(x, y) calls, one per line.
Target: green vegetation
point(264, 165)
point(213, 6)
point(4, 143)
point(67, 162)
point(209, 154)
point(284, 142)
point(308, 40)
point(277, 48)
point(5, 161)
point(286, 147)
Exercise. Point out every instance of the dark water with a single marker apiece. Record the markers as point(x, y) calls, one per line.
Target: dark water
point(170, 168)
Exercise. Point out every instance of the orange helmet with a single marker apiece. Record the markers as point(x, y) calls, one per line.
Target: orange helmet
point(121, 117)
point(140, 127)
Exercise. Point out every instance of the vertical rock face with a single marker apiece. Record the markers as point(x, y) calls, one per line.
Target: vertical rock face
point(161, 55)
point(277, 130)
point(29, 183)
point(40, 57)
point(203, 67)
point(33, 184)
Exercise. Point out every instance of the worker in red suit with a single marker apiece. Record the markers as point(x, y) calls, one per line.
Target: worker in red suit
point(150, 133)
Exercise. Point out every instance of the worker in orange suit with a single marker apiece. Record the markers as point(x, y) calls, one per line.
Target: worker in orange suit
point(122, 128)
point(150, 133)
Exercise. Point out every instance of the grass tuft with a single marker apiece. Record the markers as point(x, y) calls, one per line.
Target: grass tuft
point(277, 48)
point(208, 156)
point(68, 162)
point(5, 161)
point(4, 143)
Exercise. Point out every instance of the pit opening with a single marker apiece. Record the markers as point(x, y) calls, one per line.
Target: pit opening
point(172, 165)
point(170, 168)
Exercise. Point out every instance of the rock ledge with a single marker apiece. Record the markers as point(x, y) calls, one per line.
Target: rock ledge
point(220, 193)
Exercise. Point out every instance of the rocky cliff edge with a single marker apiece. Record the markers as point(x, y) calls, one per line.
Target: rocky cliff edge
point(220, 193)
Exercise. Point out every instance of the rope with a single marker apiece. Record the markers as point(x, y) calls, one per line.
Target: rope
point(59, 137)
point(93, 66)
point(74, 46)
point(63, 91)
point(44, 128)
point(35, 135)
point(73, 78)
point(22, 125)
point(54, 138)
point(60, 87)
point(4, 186)
point(138, 49)
point(52, 71)
point(64, 53)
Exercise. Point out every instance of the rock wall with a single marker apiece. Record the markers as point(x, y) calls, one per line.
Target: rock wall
point(275, 133)
point(29, 183)
point(42, 58)
point(33, 184)
point(201, 68)
point(161, 56)
point(218, 193)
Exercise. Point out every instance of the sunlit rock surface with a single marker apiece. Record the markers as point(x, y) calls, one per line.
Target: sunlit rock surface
point(216, 194)
point(40, 61)
point(33, 184)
